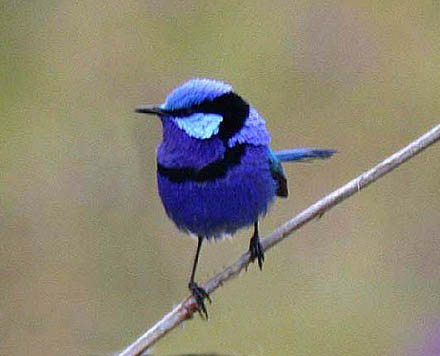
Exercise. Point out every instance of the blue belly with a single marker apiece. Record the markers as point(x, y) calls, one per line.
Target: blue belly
point(222, 206)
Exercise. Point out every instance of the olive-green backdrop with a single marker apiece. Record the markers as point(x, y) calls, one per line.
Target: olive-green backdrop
point(88, 258)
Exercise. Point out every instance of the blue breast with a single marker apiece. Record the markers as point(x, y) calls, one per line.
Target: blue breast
point(222, 206)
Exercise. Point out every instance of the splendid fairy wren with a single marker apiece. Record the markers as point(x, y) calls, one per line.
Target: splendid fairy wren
point(215, 170)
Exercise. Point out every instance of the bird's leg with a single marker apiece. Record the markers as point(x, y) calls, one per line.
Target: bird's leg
point(198, 293)
point(255, 248)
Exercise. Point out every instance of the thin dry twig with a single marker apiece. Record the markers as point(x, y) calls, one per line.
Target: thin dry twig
point(188, 306)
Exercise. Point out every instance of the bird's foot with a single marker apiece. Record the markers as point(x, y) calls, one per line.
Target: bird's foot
point(256, 251)
point(199, 295)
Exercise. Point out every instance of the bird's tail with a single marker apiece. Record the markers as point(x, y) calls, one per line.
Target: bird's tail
point(304, 154)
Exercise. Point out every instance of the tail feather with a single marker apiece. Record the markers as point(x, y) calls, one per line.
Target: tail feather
point(304, 154)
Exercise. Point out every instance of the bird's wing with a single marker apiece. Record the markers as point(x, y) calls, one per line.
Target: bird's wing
point(278, 174)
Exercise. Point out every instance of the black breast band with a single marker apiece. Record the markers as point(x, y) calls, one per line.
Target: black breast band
point(210, 172)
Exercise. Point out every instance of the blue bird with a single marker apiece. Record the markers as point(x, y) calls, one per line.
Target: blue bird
point(215, 170)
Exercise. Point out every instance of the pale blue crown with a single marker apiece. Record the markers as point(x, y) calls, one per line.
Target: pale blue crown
point(194, 92)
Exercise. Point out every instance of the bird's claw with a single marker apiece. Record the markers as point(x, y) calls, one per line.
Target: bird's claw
point(256, 251)
point(199, 295)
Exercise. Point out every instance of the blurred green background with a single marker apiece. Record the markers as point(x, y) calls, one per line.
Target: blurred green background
point(88, 258)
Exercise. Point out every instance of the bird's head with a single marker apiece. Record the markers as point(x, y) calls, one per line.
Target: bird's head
point(203, 108)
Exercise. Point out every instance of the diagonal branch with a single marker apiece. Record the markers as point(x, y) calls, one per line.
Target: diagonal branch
point(188, 306)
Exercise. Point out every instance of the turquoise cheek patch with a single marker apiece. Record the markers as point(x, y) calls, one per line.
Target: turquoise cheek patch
point(201, 126)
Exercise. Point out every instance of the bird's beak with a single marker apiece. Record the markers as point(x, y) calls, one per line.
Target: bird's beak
point(150, 109)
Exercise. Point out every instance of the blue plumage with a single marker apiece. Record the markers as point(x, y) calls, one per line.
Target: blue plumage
point(200, 125)
point(303, 154)
point(195, 91)
point(216, 172)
